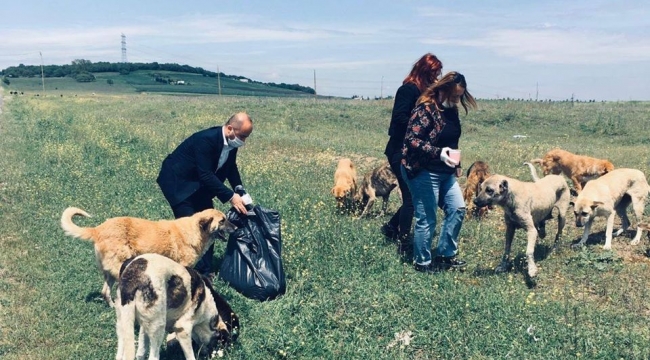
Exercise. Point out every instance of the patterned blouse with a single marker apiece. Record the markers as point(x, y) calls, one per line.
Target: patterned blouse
point(419, 150)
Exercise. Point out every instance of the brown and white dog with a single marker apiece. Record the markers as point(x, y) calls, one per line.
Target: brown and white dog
point(526, 205)
point(162, 296)
point(345, 185)
point(476, 175)
point(609, 195)
point(184, 240)
point(377, 183)
point(578, 168)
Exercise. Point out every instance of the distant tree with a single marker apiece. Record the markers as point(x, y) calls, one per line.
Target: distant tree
point(81, 65)
point(84, 77)
point(109, 82)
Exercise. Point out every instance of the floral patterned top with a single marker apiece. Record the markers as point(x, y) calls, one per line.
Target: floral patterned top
point(423, 142)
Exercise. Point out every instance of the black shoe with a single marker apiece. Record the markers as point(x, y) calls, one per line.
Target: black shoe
point(427, 269)
point(389, 231)
point(446, 263)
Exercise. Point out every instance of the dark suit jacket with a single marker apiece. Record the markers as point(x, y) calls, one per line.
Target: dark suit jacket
point(192, 166)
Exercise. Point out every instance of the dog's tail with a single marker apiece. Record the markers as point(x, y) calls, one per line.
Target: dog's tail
point(70, 228)
point(533, 172)
point(537, 161)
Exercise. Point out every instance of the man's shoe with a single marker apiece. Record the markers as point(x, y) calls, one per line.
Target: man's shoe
point(446, 263)
point(427, 269)
point(389, 231)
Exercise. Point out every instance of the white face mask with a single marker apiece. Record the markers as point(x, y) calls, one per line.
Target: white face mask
point(448, 105)
point(236, 142)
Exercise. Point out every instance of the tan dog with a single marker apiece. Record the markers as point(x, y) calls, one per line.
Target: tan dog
point(377, 183)
point(160, 295)
point(608, 195)
point(183, 240)
point(578, 168)
point(526, 205)
point(345, 185)
point(476, 175)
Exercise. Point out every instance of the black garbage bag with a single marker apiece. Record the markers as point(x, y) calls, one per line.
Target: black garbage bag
point(252, 264)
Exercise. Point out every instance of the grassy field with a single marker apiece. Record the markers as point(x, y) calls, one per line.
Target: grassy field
point(348, 292)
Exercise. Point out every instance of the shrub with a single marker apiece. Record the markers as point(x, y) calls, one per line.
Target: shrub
point(84, 77)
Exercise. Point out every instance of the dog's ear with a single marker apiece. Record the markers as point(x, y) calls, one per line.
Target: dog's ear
point(204, 223)
point(216, 324)
point(503, 187)
point(596, 204)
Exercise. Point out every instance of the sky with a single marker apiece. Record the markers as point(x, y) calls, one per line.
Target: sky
point(586, 49)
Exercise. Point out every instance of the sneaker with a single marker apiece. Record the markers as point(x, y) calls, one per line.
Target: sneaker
point(446, 263)
point(427, 269)
point(389, 231)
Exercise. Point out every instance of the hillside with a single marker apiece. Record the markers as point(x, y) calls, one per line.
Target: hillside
point(144, 81)
point(84, 76)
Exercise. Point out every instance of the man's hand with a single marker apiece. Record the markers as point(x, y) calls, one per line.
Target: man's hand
point(238, 204)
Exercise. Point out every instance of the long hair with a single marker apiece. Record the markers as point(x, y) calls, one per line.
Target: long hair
point(447, 84)
point(424, 71)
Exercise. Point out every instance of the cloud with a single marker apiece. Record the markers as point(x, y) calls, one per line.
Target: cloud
point(336, 64)
point(557, 46)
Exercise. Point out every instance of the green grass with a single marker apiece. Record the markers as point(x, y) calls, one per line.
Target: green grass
point(348, 292)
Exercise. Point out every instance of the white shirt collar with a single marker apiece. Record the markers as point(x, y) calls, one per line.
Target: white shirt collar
point(223, 134)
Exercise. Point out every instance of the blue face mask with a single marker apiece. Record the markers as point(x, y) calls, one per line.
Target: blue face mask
point(236, 142)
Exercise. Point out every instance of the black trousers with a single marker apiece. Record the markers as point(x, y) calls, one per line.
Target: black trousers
point(197, 202)
point(403, 217)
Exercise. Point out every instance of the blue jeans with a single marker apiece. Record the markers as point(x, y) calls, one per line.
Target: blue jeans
point(430, 190)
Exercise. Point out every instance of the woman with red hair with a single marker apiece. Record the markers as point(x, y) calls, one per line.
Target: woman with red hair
point(425, 72)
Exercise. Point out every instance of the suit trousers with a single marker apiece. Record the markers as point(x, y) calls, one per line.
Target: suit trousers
point(197, 202)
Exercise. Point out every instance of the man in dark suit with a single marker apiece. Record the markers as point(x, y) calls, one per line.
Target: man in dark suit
point(195, 172)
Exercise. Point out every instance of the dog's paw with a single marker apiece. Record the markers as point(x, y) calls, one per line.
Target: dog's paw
point(607, 247)
point(532, 271)
point(576, 245)
point(503, 267)
point(635, 242)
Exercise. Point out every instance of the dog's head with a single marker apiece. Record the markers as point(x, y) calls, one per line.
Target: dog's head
point(213, 223)
point(607, 166)
point(584, 210)
point(343, 194)
point(493, 191)
point(224, 325)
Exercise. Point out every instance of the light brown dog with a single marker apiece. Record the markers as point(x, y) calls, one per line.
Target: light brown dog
point(608, 195)
point(183, 240)
point(476, 175)
point(345, 185)
point(578, 168)
point(377, 183)
point(526, 205)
